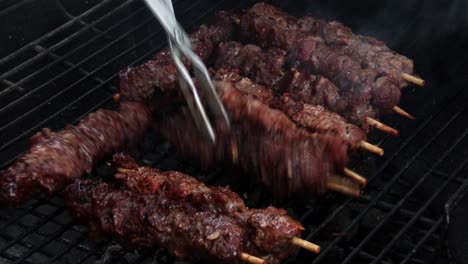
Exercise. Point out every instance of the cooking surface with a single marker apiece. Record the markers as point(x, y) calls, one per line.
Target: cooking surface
point(55, 68)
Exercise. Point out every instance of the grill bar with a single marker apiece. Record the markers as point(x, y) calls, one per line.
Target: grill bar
point(7, 82)
point(423, 240)
point(420, 211)
point(19, 216)
point(75, 83)
point(147, 21)
point(404, 212)
point(407, 195)
point(92, 27)
point(23, 49)
point(387, 186)
point(49, 239)
point(369, 256)
point(15, 6)
point(403, 145)
point(69, 247)
point(454, 199)
point(141, 42)
point(68, 63)
point(31, 229)
point(71, 52)
point(400, 210)
point(104, 82)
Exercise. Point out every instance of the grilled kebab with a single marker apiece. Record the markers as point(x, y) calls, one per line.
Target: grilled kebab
point(149, 221)
point(160, 74)
point(269, 68)
point(57, 158)
point(260, 136)
point(271, 230)
point(352, 62)
point(312, 117)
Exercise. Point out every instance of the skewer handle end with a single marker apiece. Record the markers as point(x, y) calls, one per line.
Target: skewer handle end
point(371, 148)
point(251, 259)
point(355, 176)
point(343, 186)
point(306, 245)
point(413, 79)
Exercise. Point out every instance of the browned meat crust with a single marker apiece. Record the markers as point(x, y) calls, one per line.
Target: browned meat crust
point(269, 68)
point(139, 83)
point(57, 158)
point(270, 229)
point(148, 221)
point(331, 50)
point(259, 137)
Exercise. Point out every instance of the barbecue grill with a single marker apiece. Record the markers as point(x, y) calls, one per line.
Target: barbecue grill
point(59, 61)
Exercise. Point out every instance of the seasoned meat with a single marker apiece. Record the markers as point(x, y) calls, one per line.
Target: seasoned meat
point(313, 117)
point(300, 85)
point(57, 158)
point(260, 136)
point(149, 221)
point(160, 74)
point(310, 49)
point(277, 28)
point(271, 229)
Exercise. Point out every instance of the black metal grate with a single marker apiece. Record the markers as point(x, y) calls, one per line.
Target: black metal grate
point(67, 71)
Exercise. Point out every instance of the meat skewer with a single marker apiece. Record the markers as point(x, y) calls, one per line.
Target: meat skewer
point(369, 52)
point(147, 221)
point(316, 118)
point(139, 83)
point(160, 74)
point(268, 68)
point(335, 183)
point(217, 200)
point(264, 24)
point(258, 137)
point(317, 90)
point(57, 158)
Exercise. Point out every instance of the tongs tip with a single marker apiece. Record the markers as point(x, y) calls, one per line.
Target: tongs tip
point(180, 45)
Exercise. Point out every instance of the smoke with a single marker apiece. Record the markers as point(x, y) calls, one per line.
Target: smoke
point(433, 33)
point(397, 22)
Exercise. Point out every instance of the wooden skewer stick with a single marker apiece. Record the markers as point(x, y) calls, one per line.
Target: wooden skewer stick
point(116, 97)
point(306, 245)
point(355, 176)
point(382, 127)
point(413, 79)
point(236, 20)
point(402, 112)
point(336, 184)
point(371, 147)
point(122, 170)
point(333, 184)
point(251, 259)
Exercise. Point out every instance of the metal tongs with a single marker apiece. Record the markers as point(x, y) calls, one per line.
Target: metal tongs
point(180, 45)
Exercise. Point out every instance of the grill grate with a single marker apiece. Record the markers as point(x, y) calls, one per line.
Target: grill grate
point(70, 71)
